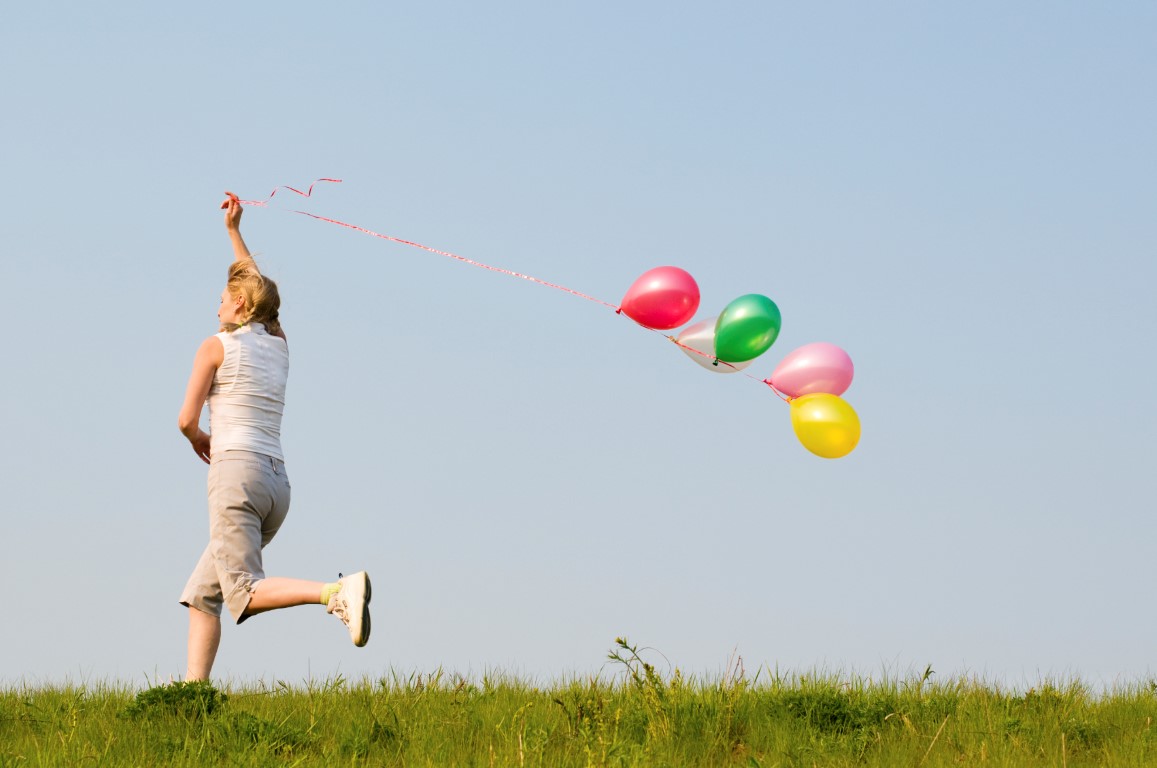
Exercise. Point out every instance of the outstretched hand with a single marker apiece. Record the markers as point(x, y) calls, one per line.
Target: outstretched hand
point(232, 208)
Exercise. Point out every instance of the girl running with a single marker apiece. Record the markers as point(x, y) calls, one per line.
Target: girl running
point(240, 373)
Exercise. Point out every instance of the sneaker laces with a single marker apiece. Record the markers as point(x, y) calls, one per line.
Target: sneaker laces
point(338, 605)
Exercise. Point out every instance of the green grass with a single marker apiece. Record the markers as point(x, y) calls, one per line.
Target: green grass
point(633, 716)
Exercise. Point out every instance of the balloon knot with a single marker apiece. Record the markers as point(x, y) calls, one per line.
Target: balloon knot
point(619, 311)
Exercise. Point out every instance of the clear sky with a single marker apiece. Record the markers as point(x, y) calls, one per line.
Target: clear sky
point(960, 195)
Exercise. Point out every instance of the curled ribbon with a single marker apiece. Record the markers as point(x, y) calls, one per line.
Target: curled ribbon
point(306, 193)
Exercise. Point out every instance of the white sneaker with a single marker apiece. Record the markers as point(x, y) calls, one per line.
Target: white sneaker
point(351, 604)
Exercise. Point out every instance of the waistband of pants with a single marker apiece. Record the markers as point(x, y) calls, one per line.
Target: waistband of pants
point(276, 464)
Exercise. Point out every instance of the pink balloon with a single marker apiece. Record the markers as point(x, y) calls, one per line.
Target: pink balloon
point(662, 298)
point(813, 369)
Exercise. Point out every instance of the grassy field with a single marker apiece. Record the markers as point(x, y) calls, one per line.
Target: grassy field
point(632, 717)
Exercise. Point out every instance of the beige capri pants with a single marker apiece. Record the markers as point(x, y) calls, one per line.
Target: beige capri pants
point(248, 502)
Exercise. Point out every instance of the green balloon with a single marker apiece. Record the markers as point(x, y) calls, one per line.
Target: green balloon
point(746, 328)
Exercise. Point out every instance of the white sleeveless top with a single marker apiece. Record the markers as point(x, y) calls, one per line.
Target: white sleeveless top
point(248, 393)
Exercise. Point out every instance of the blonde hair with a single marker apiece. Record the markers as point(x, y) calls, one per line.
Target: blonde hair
point(262, 301)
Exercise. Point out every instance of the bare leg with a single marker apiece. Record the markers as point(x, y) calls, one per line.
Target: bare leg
point(204, 638)
point(277, 592)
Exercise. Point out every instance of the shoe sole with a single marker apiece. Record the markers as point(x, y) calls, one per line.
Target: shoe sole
point(361, 633)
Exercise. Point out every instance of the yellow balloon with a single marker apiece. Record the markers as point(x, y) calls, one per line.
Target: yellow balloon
point(825, 424)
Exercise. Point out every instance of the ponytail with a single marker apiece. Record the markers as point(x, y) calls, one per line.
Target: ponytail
point(262, 300)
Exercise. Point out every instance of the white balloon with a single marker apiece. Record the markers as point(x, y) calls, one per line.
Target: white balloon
point(701, 337)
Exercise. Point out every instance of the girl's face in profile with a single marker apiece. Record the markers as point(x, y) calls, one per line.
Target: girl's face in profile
point(231, 306)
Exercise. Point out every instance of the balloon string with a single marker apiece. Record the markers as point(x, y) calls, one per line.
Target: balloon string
point(691, 350)
point(306, 193)
point(770, 386)
point(463, 259)
point(472, 262)
point(717, 361)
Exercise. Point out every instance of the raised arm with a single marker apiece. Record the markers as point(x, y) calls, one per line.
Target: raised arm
point(232, 208)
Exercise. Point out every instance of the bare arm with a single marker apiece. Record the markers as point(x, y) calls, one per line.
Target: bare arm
point(232, 208)
point(208, 359)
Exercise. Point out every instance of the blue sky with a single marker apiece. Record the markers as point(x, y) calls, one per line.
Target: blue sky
point(960, 196)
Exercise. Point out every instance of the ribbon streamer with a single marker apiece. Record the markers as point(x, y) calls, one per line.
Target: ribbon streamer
point(306, 193)
point(463, 259)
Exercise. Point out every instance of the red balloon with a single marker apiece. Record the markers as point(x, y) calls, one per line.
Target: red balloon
point(662, 298)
